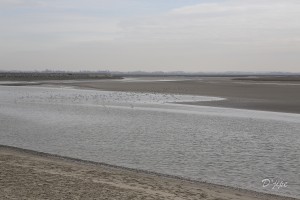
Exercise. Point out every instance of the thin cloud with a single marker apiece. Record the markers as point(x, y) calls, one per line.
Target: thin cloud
point(221, 35)
point(21, 3)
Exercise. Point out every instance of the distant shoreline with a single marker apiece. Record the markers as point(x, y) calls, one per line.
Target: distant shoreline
point(43, 76)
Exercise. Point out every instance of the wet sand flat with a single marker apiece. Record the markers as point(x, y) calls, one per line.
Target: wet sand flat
point(31, 175)
point(280, 96)
point(274, 95)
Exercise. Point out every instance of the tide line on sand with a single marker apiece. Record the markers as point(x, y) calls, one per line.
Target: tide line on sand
point(41, 175)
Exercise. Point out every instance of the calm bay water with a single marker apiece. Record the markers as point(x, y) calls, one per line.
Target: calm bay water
point(220, 145)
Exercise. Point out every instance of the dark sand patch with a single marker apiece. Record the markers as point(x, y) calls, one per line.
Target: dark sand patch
point(238, 94)
point(294, 78)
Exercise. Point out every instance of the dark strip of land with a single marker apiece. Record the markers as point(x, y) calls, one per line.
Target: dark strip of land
point(40, 76)
point(294, 78)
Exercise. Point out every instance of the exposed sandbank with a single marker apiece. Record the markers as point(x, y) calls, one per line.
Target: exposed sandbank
point(277, 97)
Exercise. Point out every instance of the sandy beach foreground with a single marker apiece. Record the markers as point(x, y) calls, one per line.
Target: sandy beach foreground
point(31, 175)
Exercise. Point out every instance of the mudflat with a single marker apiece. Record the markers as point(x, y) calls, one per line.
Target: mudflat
point(27, 174)
point(277, 96)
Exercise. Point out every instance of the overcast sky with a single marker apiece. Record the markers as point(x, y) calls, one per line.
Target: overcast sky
point(150, 35)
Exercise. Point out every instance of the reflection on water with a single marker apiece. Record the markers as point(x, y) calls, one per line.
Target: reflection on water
point(226, 146)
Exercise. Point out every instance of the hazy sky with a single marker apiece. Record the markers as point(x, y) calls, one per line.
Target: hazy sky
point(150, 35)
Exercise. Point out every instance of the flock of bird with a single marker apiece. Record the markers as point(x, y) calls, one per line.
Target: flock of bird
point(99, 97)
